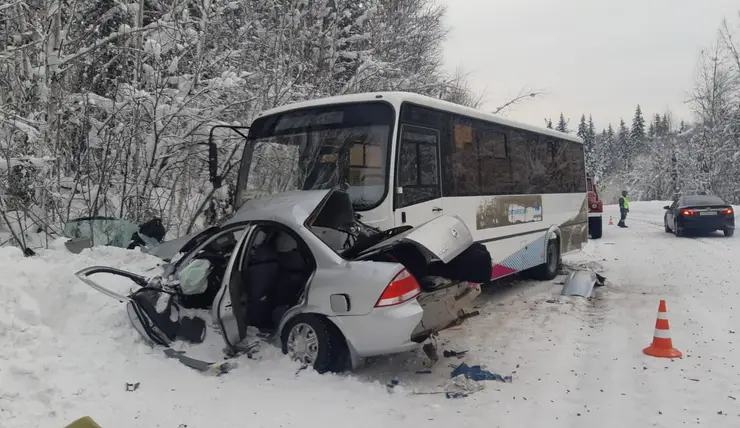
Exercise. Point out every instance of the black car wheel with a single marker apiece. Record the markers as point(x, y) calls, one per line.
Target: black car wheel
point(314, 341)
point(678, 231)
point(729, 232)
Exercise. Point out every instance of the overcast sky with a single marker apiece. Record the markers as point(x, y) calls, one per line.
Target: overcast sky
point(601, 57)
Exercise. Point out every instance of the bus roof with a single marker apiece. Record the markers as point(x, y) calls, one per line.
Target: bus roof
point(396, 98)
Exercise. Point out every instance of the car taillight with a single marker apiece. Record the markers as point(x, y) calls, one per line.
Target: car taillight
point(727, 211)
point(688, 212)
point(402, 288)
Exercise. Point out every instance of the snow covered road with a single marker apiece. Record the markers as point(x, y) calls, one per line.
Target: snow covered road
point(68, 351)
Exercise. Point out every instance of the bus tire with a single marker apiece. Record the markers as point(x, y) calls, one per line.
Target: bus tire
point(549, 270)
point(595, 227)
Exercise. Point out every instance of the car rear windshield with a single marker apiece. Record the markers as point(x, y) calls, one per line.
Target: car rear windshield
point(690, 201)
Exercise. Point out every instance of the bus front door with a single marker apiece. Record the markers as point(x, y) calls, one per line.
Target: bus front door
point(418, 193)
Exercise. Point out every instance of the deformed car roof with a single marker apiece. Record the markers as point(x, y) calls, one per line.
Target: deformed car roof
point(290, 208)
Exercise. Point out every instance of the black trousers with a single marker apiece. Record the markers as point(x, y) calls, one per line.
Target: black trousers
point(622, 215)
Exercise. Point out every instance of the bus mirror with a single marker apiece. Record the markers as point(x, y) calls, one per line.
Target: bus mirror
point(213, 165)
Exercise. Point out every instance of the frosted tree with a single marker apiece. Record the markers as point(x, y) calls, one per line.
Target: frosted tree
point(637, 133)
point(105, 105)
point(622, 149)
point(562, 125)
point(582, 128)
point(588, 135)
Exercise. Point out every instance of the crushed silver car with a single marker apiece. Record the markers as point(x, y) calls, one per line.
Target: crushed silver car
point(328, 289)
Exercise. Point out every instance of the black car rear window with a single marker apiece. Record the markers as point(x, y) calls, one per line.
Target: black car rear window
point(688, 201)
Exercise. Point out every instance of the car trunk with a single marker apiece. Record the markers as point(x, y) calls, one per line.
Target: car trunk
point(440, 254)
point(706, 216)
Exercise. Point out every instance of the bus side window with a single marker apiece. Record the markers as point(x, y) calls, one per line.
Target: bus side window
point(418, 165)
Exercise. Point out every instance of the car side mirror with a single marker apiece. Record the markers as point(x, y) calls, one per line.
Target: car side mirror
point(667, 207)
point(213, 165)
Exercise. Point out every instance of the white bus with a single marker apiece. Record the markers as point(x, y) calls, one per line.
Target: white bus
point(407, 158)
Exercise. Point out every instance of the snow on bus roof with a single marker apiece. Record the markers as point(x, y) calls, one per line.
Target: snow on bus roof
point(396, 98)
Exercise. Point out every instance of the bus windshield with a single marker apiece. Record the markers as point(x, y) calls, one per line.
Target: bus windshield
point(341, 145)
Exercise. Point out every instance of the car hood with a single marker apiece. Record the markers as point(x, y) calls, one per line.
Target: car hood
point(292, 208)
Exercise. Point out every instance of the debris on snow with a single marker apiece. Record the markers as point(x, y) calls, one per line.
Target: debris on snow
point(478, 373)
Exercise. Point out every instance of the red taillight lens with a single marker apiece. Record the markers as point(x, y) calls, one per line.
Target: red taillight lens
point(728, 211)
point(688, 212)
point(403, 288)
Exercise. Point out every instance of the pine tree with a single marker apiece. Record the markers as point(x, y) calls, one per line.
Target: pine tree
point(637, 134)
point(548, 123)
point(562, 125)
point(591, 129)
point(623, 152)
point(666, 123)
point(587, 133)
point(610, 150)
point(582, 128)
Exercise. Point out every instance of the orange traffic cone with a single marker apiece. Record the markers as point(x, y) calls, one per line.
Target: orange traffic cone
point(611, 221)
point(662, 346)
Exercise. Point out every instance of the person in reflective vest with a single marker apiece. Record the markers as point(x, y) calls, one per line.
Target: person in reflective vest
point(624, 208)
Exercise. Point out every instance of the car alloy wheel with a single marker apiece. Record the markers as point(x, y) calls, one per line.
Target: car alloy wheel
point(303, 343)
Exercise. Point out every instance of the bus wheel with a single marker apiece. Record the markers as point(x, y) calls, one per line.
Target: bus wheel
point(549, 269)
point(595, 227)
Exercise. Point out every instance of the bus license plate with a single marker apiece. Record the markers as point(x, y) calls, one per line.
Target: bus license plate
point(708, 213)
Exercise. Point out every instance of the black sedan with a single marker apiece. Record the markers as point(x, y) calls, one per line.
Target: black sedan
point(699, 213)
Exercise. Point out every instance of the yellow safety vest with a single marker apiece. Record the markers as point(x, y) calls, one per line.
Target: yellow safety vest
point(626, 202)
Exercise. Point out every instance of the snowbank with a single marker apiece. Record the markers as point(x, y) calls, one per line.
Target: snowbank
point(68, 351)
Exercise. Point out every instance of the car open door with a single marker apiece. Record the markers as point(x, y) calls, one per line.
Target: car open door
point(229, 309)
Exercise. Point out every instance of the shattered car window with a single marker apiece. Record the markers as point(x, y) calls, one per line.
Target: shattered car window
point(101, 230)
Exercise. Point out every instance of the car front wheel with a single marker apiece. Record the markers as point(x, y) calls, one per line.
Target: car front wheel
point(314, 341)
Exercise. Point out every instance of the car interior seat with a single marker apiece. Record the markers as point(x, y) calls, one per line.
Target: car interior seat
point(259, 277)
point(295, 269)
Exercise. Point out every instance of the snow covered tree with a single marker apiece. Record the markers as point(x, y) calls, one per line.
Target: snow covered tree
point(591, 133)
point(637, 133)
point(562, 125)
point(548, 123)
point(623, 152)
point(587, 133)
point(582, 128)
point(104, 104)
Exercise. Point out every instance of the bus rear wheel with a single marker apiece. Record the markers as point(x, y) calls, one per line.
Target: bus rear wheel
point(549, 269)
point(595, 227)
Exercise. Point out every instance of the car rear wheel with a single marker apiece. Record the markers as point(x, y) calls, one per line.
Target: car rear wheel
point(678, 231)
point(314, 341)
point(729, 232)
